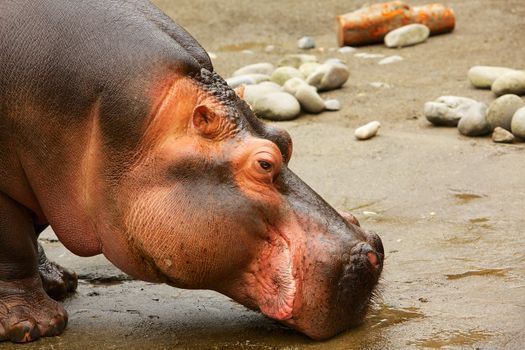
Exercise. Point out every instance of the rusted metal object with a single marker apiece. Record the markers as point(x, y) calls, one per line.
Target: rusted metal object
point(370, 24)
point(437, 17)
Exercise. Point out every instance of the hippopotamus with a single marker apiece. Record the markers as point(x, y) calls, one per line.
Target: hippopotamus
point(116, 131)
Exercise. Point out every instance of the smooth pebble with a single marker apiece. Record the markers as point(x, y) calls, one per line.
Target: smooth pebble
point(380, 84)
point(295, 60)
point(309, 99)
point(254, 92)
point(510, 83)
point(332, 105)
point(256, 68)
point(346, 49)
point(390, 59)
point(410, 34)
point(334, 61)
point(308, 68)
point(367, 131)
point(234, 82)
point(447, 110)
point(329, 76)
point(271, 84)
point(283, 74)
point(502, 109)
point(501, 135)
point(277, 106)
point(482, 77)
point(293, 84)
point(368, 55)
point(474, 121)
point(517, 125)
point(306, 42)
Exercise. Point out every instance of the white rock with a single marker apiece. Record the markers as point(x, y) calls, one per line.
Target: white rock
point(293, 84)
point(276, 86)
point(256, 68)
point(367, 131)
point(254, 92)
point(308, 68)
point(234, 82)
point(248, 52)
point(380, 84)
point(296, 60)
point(474, 121)
point(447, 110)
point(391, 59)
point(482, 77)
point(334, 61)
point(346, 49)
point(258, 78)
point(329, 76)
point(510, 83)
point(212, 55)
point(368, 55)
point(283, 74)
point(306, 42)
point(269, 48)
point(309, 99)
point(410, 34)
point(332, 105)
point(502, 109)
point(277, 106)
point(517, 125)
point(501, 135)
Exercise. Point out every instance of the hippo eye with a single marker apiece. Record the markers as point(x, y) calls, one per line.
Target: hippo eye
point(266, 166)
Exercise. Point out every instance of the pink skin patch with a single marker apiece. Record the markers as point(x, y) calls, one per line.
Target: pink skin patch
point(373, 259)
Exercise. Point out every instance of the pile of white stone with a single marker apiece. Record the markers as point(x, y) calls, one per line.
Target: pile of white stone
point(504, 117)
point(280, 93)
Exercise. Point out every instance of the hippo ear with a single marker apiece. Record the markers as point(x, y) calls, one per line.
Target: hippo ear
point(239, 90)
point(205, 121)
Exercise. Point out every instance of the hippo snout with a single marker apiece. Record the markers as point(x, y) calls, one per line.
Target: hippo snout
point(366, 257)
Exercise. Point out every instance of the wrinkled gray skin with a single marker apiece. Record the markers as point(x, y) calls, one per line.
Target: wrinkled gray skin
point(115, 131)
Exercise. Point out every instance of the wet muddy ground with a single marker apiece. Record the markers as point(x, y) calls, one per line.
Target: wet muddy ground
point(450, 209)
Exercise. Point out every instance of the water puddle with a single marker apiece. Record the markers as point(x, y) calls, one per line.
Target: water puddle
point(386, 316)
point(462, 239)
point(459, 339)
point(479, 220)
point(465, 197)
point(480, 272)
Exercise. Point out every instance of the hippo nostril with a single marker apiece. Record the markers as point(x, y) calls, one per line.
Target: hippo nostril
point(373, 259)
point(366, 256)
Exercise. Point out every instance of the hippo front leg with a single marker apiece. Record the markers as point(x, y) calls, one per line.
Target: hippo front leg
point(26, 311)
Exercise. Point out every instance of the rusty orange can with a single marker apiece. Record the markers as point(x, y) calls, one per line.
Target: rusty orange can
point(370, 24)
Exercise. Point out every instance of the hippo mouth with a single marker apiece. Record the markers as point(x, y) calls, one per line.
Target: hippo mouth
point(329, 294)
point(276, 277)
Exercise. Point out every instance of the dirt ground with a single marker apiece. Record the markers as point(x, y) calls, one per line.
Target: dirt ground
point(450, 209)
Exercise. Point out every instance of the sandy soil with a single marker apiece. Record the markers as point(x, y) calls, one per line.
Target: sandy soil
point(450, 209)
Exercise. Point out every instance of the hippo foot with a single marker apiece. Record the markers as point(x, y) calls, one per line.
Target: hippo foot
point(57, 281)
point(27, 313)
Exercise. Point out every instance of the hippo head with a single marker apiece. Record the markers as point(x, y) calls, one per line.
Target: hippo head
point(211, 204)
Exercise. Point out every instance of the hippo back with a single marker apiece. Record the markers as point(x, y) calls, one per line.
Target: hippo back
point(58, 58)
